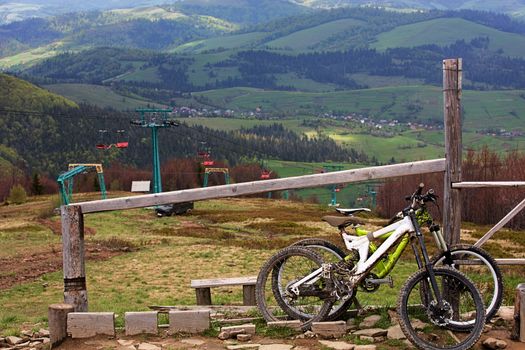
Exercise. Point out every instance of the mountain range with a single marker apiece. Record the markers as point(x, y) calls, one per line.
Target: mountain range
point(15, 10)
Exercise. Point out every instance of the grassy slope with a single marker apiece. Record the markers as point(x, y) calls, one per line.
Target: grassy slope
point(444, 31)
point(217, 236)
point(99, 95)
point(482, 108)
point(223, 42)
point(306, 38)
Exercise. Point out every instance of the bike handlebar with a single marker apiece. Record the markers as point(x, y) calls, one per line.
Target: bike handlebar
point(417, 197)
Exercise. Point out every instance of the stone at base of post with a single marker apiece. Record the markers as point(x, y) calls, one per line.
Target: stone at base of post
point(518, 329)
point(57, 319)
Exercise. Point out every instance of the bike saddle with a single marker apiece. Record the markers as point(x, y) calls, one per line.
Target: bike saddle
point(341, 221)
point(351, 211)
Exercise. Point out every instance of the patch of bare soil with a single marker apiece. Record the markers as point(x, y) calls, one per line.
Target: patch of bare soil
point(212, 343)
point(21, 269)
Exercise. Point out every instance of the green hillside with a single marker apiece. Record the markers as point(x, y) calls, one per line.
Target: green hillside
point(220, 43)
point(101, 96)
point(445, 31)
point(487, 109)
point(311, 37)
point(16, 94)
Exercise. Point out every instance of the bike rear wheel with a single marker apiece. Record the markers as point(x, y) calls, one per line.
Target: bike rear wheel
point(429, 324)
point(273, 293)
point(482, 269)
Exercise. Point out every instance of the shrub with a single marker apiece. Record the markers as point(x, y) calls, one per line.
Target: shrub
point(17, 195)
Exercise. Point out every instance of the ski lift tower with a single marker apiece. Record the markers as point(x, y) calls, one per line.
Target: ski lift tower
point(154, 119)
point(333, 188)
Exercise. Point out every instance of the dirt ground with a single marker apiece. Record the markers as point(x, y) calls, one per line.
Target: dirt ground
point(22, 269)
point(211, 343)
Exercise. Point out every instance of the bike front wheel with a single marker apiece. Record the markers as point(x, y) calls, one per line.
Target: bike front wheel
point(274, 293)
point(430, 324)
point(482, 269)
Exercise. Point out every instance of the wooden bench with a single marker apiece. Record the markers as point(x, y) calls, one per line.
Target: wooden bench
point(203, 293)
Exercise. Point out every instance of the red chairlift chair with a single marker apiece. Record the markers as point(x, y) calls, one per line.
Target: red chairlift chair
point(265, 174)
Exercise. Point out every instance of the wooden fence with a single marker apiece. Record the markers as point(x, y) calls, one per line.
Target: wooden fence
point(75, 291)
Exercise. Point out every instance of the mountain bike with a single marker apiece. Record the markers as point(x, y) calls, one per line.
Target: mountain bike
point(438, 307)
point(473, 261)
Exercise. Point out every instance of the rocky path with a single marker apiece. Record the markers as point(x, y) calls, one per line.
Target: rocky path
point(363, 336)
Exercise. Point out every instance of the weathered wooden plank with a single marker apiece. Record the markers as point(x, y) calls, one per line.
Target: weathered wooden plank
point(75, 292)
point(500, 224)
point(248, 295)
point(488, 184)
point(245, 188)
point(219, 282)
point(452, 77)
point(511, 261)
point(518, 327)
point(203, 296)
point(57, 320)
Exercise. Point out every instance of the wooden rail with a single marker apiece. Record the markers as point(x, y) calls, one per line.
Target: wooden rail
point(488, 184)
point(245, 188)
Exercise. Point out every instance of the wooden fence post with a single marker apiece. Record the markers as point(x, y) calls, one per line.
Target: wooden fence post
point(57, 320)
point(452, 77)
point(518, 328)
point(75, 292)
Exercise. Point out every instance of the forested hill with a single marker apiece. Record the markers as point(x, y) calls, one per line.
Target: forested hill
point(17, 94)
point(48, 132)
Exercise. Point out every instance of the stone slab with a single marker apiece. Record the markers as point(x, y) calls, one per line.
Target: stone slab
point(395, 332)
point(148, 346)
point(370, 321)
point(275, 347)
point(295, 324)
point(249, 328)
point(243, 346)
point(337, 345)
point(141, 322)
point(189, 321)
point(365, 347)
point(329, 329)
point(90, 324)
point(371, 332)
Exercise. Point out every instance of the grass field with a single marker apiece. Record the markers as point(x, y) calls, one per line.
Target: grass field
point(33, 56)
point(229, 237)
point(482, 109)
point(98, 95)
point(308, 38)
point(445, 31)
point(225, 42)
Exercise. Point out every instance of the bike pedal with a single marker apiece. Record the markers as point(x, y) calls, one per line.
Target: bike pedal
point(387, 280)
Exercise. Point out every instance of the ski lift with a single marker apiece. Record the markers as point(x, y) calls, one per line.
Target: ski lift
point(101, 144)
point(120, 143)
point(265, 174)
point(205, 154)
point(208, 161)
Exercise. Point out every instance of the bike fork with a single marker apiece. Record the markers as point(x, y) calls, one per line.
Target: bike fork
point(430, 269)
